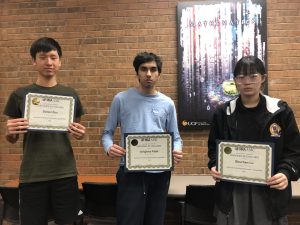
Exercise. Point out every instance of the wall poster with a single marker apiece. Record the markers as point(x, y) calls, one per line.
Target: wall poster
point(212, 37)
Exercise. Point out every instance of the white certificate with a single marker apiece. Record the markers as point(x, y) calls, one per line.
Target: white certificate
point(245, 161)
point(49, 112)
point(148, 151)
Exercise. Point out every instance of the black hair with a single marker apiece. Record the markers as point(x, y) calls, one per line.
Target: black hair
point(249, 65)
point(145, 57)
point(45, 44)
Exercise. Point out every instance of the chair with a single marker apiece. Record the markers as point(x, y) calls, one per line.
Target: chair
point(10, 210)
point(198, 205)
point(99, 203)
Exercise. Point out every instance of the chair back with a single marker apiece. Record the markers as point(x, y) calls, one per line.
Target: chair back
point(100, 199)
point(10, 197)
point(199, 205)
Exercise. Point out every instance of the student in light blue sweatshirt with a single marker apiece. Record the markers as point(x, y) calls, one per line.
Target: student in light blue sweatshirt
point(142, 196)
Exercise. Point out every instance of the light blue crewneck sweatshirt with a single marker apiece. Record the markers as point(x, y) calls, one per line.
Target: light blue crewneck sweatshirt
point(136, 112)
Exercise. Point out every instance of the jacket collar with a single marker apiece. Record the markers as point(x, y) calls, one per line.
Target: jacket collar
point(272, 104)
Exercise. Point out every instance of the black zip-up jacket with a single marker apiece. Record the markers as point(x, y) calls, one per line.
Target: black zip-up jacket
point(279, 127)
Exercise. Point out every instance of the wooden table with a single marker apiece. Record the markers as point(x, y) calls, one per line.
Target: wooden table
point(95, 179)
point(178, 183)
point(81, 179)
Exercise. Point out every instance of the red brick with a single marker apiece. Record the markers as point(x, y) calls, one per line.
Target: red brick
point(99, 41)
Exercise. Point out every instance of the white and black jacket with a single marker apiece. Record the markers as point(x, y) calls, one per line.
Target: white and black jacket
point(286, 139)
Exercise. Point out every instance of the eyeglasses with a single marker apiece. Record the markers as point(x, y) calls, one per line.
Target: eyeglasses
point(252, 78)
point(145, 69)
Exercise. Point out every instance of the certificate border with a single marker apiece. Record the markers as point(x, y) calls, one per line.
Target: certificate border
point(28, 98)
point(236, 179)
point(170, 165)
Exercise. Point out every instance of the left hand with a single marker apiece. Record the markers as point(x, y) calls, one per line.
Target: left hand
point(77, 130)
point(278, 181)
point(177, 156)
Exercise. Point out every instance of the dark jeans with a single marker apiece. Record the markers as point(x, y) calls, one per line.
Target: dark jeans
point(141, 198)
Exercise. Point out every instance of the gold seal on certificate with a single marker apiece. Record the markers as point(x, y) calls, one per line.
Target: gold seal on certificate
point(49, 112)
point(245, 161)
point(148, 151)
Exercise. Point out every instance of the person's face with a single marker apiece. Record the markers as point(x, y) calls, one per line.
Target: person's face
point(249, 85)
point(148, 75)
point(47, 63)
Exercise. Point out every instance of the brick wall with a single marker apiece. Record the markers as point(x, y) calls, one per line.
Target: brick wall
point(99, 40)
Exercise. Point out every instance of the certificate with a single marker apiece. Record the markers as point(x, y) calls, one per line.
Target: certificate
point(245, 161)
point(148, 151)
point(49, 112)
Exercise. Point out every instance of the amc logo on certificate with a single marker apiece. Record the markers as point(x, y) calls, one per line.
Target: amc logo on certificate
point(248, 162)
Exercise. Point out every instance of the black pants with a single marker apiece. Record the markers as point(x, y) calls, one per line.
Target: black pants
point(36, 200)
point(142, 197)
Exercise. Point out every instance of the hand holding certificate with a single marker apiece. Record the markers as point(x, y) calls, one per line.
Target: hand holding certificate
point(49, 112)
point(149, 151)
point(245, 161)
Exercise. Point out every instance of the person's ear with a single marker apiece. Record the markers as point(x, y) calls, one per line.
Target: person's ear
point(264, 77)
point(33, 61)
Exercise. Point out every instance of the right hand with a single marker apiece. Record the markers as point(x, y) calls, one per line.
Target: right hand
point(215, 174)
point(116, 151)
point(16, 126)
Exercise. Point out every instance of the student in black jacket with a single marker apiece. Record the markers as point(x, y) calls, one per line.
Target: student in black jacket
point(254, 117)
